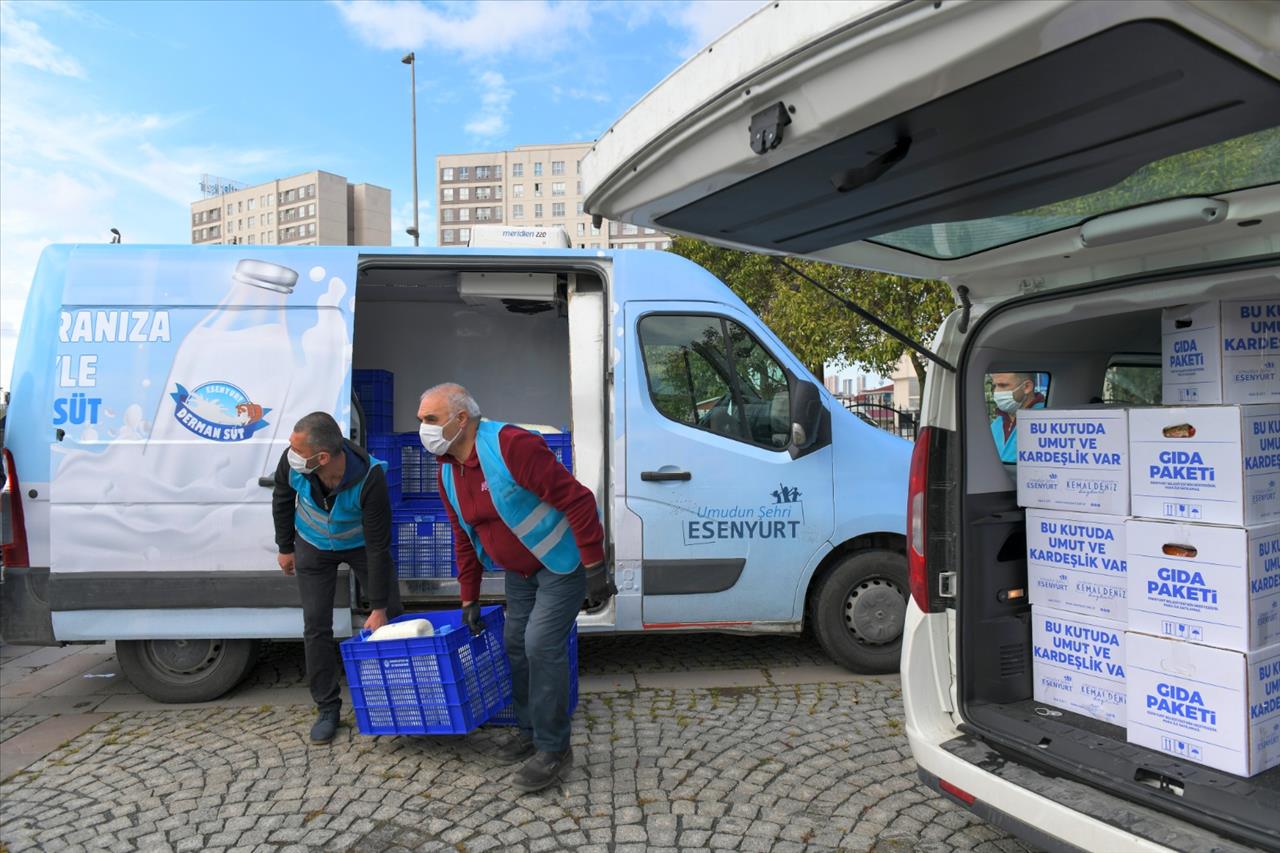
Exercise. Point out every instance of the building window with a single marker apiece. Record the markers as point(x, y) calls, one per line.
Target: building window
point(517, 191)
point(446, 194)
point(537, 190)
point(240, 207)
point(253, 221)
point(252, 202)
point(537, 169)
point(613, 229)
point(448, 235)
point(231, 208)
point(537, 210)
point(447, 214)
point(650, 231)
point(311, 210)
point(582, 229)
point(252, 238)
point(517, 211)
point(446, 174)
point(579, 188)
point(484, 193)
point(271, 219)
point(517, 170)
point(578, 169)
point(557, 167)
point(595, 231)
point(464, 214)
point(497, 173)
point(580, 208)
point(595, 245)
point(464, 173)
point(484, 214)
point(497, 192)
point(482, 173)
point(464, 235)
point(557, 188)
point(464, 193)
point(557, 209)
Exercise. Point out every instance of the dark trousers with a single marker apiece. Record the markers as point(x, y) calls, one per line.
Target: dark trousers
point(540, 612)
point(317, 573)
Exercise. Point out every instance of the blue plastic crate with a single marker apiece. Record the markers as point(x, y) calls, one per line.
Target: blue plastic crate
point(507, 716)
point(450, 683)
point(420, 469)
point(561, 444)
point(375, 389)
point(387, 448)
point(422, 541)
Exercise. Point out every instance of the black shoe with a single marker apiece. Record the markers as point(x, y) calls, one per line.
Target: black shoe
point(326, 726)
point(543, 770)
point(517, 747)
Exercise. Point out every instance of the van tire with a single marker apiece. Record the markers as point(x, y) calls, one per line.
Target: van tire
point(862, 636)
point(181, 671)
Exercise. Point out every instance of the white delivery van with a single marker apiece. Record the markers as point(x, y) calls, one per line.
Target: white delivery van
point(1071, 170)
point(155, 388)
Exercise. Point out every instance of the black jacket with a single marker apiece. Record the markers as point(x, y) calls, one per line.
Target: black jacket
point(375, 508)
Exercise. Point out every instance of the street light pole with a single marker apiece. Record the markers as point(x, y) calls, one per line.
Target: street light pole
point(413, 103)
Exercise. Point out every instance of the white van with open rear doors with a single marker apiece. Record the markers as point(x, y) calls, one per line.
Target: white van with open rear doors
point(1071, 170)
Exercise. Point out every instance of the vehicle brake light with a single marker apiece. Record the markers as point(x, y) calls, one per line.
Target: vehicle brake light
point(959, 793)
point(14, 552)
point(917, 570)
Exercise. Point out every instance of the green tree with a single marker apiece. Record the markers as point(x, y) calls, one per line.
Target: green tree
point(816, 327)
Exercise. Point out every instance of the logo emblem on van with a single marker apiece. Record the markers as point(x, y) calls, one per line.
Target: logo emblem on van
point(218, 411)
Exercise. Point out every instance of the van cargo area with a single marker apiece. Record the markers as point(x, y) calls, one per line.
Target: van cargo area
point(1080, 339)
point(505, 335)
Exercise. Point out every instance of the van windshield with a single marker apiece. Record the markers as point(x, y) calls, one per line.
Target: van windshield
point(1246, 161)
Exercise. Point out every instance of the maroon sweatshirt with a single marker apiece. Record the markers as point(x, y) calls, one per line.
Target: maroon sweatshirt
point(534, 466)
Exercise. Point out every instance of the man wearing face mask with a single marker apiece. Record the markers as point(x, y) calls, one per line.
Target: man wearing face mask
point(331, 506)
point(1012, 392)
point(514, 505)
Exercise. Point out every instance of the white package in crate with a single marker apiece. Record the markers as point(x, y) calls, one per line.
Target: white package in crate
point(1216, 707)
point(1076, 563)
point(1221, 352)
point(1074, 459)
point(1078, 664)
point(1206, 464)
point(1219, 586)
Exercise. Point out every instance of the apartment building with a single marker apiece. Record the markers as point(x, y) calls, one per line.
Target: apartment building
point(536, 185)
point(312, 209)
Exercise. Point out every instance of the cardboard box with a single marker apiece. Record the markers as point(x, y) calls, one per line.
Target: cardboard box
point(1219, 586)
point(1215, 707)
point(1222, 352)
point(1076, 563)
point(1206, 464)
point(1078, 664)
point(1074, 459)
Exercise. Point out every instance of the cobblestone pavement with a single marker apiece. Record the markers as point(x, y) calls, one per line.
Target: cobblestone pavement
point(767, 768)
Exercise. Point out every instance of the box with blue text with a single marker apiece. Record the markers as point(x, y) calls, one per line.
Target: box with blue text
point(1221, 352)
point(1216, 707)
point(1078, 664)
point(1076, 562)
point(1074, 459)
point(1206, 464)
point(1219, 586)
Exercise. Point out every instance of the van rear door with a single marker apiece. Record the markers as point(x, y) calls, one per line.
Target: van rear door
point(991, 144)
point(180, 374)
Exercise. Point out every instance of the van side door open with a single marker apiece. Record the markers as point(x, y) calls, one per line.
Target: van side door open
point(177, 390)
point(728, 512)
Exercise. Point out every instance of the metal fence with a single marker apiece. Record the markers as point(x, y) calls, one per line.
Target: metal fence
point(900, 423)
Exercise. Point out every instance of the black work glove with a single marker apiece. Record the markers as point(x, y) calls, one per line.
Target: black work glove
point(471, 618)
point(599, 586)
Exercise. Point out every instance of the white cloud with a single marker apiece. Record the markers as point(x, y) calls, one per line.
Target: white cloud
point(495, 103)
point(485, 28)
point(22, 44)
point(706, 20)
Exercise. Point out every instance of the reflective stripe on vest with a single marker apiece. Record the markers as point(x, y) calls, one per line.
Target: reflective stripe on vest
point(339, 529)
point(539, 526)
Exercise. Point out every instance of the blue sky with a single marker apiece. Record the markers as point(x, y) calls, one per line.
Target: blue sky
point(111, 111)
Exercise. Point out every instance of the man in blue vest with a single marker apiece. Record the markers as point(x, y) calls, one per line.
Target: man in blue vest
point(330, 505)
point(514, 505)
point(1011, 392)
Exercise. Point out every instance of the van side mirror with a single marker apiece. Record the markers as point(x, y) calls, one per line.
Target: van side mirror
point(806, 413)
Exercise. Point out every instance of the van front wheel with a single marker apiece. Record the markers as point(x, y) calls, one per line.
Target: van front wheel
point(186, 670)
point(859, 609)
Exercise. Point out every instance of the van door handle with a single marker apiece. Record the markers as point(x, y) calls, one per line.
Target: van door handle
point(267, 482)
point(664, 476)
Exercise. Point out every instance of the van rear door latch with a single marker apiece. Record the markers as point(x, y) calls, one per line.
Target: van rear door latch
point(947, 585)
point(766, 127)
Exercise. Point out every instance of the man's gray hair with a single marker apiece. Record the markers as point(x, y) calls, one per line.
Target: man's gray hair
point(322, 432)
point(456, 397)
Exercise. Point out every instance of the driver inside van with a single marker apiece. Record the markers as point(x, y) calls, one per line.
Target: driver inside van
point(1011, 392)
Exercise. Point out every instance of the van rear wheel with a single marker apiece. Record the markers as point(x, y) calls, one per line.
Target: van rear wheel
point(186, 670)
point(859, 609)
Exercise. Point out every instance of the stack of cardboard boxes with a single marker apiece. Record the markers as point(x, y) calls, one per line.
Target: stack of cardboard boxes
point(1153, 539)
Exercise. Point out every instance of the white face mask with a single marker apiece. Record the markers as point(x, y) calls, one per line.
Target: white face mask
point(1006, 401)
point(432, 437)
point(298, 462)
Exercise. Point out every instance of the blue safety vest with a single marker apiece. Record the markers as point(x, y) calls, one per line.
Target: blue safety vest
point(542, 528)
point(339, 529)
